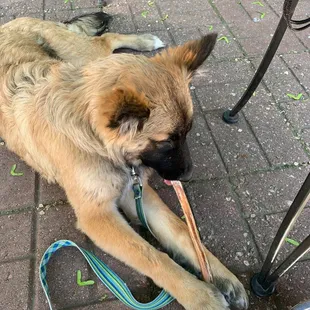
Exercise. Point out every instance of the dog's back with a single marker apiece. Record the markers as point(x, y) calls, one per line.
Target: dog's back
point(25, 62)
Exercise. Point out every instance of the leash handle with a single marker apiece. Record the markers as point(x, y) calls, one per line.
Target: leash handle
point(193, 231)
point(108, 277)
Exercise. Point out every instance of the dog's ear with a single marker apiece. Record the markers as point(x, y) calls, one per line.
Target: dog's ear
point(190, 55)
point(131, 111)
point(124, 110)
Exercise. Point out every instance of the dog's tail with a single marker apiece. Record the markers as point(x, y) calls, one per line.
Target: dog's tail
point(93, 24)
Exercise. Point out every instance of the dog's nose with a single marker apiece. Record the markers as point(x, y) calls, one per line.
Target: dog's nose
point(186, 176)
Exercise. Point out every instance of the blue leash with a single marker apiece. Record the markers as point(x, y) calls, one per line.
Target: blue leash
point(108, 277)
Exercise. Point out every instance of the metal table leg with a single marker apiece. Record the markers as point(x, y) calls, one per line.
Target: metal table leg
point(263, 283)
point(231, 116)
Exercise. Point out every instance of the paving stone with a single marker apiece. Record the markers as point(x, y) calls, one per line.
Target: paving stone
point(270, 191)
point(300, 67)
point(304, 37)
point(65, 15)
point(15, 191)
point(14, 285)
point(58, 15)
point(249, 29)
point(280, 80)
point(5, 19)
point(174, 8)
point(183, 35)
point(122, 21)
point(219, 96)
point(54, 224)
point(277, 6)
point(206, 160)
point(259, 45)
point(254, 11)
point(185, 6)
point(106, 304)
point(221, 225)
point(236, 143)
point(223, 72)
point(151, 21)
point(117, 305)
point(196, 15)
point(262, 29)
point(298, 113)
point(305, 134)
point(169, 197)
point(193, 18)
point(253, 26)
point(301, 12)
point(15, 231)
point(265, 228)
point(256, 303)
point(174, 306)
point(196, 104)
point(273, 133)
point(223, 49)
point(230, 10)
point(78, 4)
point(57, 5)
point(293, 288)
point(50, 193)
point(156, 181)
point(19, 8)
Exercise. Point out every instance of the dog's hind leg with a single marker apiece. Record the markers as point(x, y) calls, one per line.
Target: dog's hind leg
point(143, 42)
point(93, 24)
point(173, 234)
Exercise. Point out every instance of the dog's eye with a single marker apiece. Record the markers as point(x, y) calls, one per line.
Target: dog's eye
point(165, 144)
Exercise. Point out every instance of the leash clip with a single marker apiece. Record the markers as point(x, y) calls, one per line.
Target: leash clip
point(136, 184)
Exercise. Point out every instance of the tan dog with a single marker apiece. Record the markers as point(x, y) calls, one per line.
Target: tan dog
point(82, 116)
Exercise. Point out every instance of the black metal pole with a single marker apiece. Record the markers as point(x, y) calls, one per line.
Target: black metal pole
point(231, 116)
point(259, 283)
point(289, 262)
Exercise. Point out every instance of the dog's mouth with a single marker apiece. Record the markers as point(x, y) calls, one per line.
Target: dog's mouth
point(167, 182)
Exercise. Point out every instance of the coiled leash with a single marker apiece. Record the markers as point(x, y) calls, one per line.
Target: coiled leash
point(108, 277)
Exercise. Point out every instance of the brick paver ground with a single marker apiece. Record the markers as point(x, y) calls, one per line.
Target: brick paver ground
point(246, 175)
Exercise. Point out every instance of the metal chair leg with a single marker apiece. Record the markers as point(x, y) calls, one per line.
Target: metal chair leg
point(263, 283)
point(231, 116)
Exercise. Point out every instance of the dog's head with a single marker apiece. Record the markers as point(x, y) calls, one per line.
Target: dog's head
point(148, 111)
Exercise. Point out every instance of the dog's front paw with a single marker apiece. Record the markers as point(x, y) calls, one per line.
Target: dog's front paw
point(233, 290)
point(203, 296)
point(228, 284)
point(151, 42)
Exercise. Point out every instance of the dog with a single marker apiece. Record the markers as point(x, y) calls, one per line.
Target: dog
point(83, 116)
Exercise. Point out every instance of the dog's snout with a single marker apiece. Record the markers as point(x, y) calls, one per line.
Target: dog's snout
point(188, 173)
point(187, 176)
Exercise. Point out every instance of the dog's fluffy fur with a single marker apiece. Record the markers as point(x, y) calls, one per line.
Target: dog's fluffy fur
point(81, 116)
